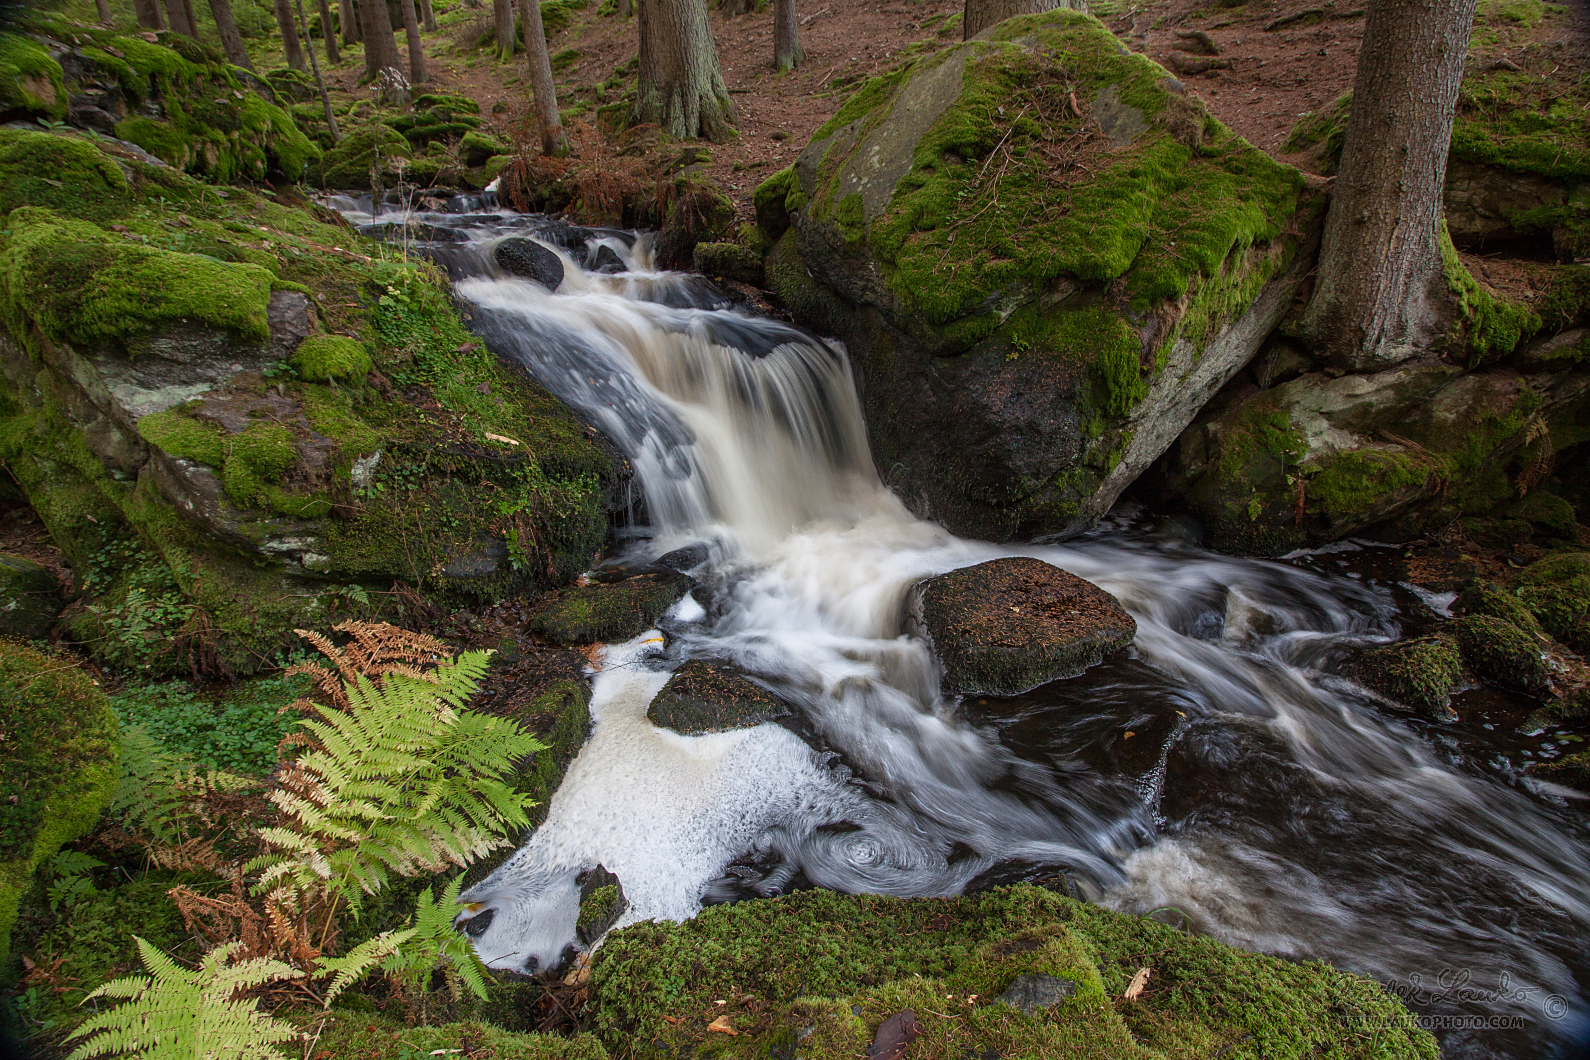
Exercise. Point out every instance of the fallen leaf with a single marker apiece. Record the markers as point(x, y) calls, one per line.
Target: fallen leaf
point(675, 1020)
point(501, 438)
point(1129, 734)
point(1139, 981)
point(894, 1036)
point(723, 1026)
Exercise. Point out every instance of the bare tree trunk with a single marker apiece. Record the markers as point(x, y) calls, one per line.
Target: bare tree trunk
point(320, 82)
point(284, 21)
point(1380, 295)
point(102, 7)
point(787, 53)
point(327, 35)
point(231, 39)
point(178, 18)
point(191, 17)
point(427, 16)
point(380, 48)
point(546, 97)
point(350, 23)
point(681, 85)
point(980, 14)
point(502, 14)
point(411, 30)
point(148, 12)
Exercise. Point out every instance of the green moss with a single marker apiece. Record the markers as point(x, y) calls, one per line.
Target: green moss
point(1524, 123)
point(31, 82)
point(1491, 324)
point(1501, 652)
point(256, 459)
point(832, 967)
point(598, 906)
point(1349, 483)
point(1325, 130)
point(348, 165)
point(373, 1038)
point(616, 611)
point(447, 102)
point(476, 147)
point(181, 435)
point(322, 357)
point(58, 770)
point(771, 202)
point(1421, 673)
point(59, 172)
point(1488, 598)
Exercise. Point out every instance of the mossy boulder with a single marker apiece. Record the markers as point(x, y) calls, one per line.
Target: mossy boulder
point(1556, 591)
point(729, 261)
point(58, 755)
point(476, 147)
point(350, 163)
point(1501, 652)
point(610, 611)
point(372, 1037)
point(1006, 626)
point(704, 697)
point(1043, 257)
point(1421, 674)
point(1488, 598)
point(31, 81)
point(320, 358)
point(823, 971)
point(30, 597)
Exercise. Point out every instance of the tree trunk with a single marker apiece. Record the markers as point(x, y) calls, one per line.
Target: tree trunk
point(411, 30)
point(178, 17)
point(1380, 294)
point(231, 39)
point(787, 53)
point(148, 12)
point(103, 9)
point(546, 97)
point(284, 22)
point(427, 16)
point(380, 48)
point(980, 14)
point(327, 35)
point(191, 17)
point(350, 23)
point(320, 82)
point(681, 86)
point(502, 14)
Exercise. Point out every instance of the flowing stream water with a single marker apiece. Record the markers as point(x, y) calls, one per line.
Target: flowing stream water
point(1222, 772)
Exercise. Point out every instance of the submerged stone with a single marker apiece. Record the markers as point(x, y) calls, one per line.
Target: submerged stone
point(1421, 674)
point(703, 697)
point(1009, 625)
point(614, 611)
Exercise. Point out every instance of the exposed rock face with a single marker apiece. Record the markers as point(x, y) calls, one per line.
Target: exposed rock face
point(1009, 625)
point(704, 697)
point(30, 597)
point(613, 611)
point(1037, 300)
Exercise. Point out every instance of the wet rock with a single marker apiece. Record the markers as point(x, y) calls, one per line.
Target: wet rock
point(1033, 993)
point(703, 697)
point(606, 259)
point(1488, 598)
point(30, 597)
point(602, 902)
point(1500, 652)
point(1009, 625)
point(616, 611)
point(682, 559)
point(1571, 771)
point(529, 259)
point(729, 261)
point(1421, 674)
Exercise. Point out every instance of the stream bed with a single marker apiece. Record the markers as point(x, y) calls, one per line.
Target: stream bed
point(1222, 773)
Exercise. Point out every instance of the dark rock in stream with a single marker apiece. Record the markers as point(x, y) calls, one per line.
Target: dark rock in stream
point(607, 612)
point(704, 697)
point(602, 902)
point(1421, 674)
point(529, 259)
point(686, 558)
point(1009, 625)
point(606, 259)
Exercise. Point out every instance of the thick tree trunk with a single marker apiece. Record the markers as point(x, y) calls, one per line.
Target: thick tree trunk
point(546, 98)
point(231, 39)
point(380, 48)
point(284, 22)
point(320, 82)
point(502, 15)
point(411, 30)
point(1380, 294)
point(177, 15)
point(350, 23)
point(427, 16)
point(787, 53)
point(148, 12)
point(980, 14)
point(102, 7)
point(681, 85)
point(328, 36)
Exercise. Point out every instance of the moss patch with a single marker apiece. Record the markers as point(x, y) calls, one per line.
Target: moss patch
point(615, 611)
point(1504, 653)
point(31, 82)
point(322, 357)
point(704, 697)
point(1421, 673)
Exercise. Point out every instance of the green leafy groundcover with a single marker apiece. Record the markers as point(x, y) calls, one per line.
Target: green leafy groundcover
point(236, 730)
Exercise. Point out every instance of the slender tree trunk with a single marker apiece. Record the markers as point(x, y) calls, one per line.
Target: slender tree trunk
point(191, 17)
point(178, 18)
point(350, 23)
point(327, 36)
point(681, 85)
point(546, 98)
point(231, 39)
point(380, 48)
point(787, 53)
point(980, 14)
point(411, 30)
point(148, 12)
point(284, 22)
point(502, 13)
point(103, 9)
point(314, 65)
point(1380, 295)
point(427, 16)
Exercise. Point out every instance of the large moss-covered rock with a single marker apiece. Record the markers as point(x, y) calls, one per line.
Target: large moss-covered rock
point(608, 611)
point(31, 81)
point(704, 697)
point(1008, 625)
point(1044, 259)
point(819, 972)
point(30, 597)
point(1556, 591)
point(211, 497)
point(1503, 653)
point(1421, 674)
point(58, 753)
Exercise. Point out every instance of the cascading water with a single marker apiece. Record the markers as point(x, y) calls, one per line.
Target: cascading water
point(1225, 769)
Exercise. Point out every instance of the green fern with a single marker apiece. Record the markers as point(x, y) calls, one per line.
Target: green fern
point(353, 965)
point(174, 1014)
point(163, 795)
point(403, 780)
point(433, 943)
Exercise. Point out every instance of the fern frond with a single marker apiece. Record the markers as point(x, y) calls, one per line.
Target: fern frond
point(435, 943)
point(351, 967)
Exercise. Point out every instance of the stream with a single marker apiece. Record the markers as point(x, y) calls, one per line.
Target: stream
point(1221, 773)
